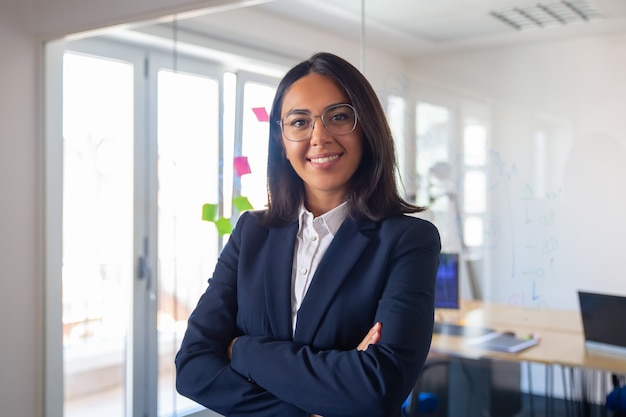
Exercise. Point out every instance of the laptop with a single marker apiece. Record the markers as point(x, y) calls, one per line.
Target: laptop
point(603, 318)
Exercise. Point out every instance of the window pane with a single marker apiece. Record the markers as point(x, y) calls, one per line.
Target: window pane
point(437, 180)
point(97, 233)
point(396, 109)
point(433, 127)
point(188, 175)
point(255, 141)
point(474, 192)
point(473, 228)
point(475, 142)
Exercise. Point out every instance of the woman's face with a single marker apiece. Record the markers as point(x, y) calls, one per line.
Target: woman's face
point(325, 161)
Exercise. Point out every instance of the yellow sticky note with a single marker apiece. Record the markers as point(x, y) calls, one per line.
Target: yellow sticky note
point(209, 212)
point(223, 226)
point(242, 203)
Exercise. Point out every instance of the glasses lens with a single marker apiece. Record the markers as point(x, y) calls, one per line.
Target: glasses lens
point(339, 119)
point(297, 126)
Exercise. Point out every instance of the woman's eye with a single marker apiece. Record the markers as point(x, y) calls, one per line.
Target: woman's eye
point(299, 123)
point(339, 117)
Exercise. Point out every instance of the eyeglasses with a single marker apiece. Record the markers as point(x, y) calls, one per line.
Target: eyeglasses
point(339, 119)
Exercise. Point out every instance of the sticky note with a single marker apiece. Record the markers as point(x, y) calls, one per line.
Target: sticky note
point(209, 212)
point(242, 166)
point(241, 203)
point(261, 114)
point(223, 226)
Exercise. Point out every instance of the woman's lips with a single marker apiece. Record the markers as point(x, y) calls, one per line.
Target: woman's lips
point(324, 159)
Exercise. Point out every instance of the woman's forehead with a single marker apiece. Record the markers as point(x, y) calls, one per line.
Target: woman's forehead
point(313, 92)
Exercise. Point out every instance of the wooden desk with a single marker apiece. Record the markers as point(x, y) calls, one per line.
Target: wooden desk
point(561, 336)
point(562, 344)
point(520, 318)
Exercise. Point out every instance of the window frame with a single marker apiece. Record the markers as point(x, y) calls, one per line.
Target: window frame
point(148, 59)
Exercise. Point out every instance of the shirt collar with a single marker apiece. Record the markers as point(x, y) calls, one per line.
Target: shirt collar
point(333, 218)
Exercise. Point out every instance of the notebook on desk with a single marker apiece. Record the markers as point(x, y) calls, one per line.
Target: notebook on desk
point(603, 322)
point(502, 342)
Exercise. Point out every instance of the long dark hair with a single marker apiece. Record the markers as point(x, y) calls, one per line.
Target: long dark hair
point(373, 193)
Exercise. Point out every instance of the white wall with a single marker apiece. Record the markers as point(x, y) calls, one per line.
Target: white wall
point(557, 204)
point(20, 254)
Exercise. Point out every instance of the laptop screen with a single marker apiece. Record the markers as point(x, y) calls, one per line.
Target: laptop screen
point(447, 285)
point(603, 319)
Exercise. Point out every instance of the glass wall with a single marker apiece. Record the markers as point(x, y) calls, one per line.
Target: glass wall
point(149, 143)
point(98, 261)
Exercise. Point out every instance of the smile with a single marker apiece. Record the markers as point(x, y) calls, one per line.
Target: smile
point(324, 159)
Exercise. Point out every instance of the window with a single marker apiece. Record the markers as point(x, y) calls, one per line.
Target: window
point(147, 142)
point(451, 171)
point(257, 101)
point(188, 113)
point(396, 112)
point(435, 169)
point(475, 181)
point(97, 272)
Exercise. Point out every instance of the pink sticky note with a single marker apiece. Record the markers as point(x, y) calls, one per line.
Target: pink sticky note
point(241, 165)
point(261, 114)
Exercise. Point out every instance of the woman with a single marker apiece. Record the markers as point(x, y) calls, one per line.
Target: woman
point(322, 304)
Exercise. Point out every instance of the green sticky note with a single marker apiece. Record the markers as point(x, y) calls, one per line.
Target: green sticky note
point(223, 226)
point(242, 203)
point(209, 212)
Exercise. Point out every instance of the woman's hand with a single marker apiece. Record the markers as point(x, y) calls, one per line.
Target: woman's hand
point(229, 352)
point(372, 337)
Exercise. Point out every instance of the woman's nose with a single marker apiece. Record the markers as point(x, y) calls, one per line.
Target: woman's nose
point(319, 134)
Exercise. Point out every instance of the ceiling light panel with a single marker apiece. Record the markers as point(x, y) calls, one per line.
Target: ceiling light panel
point(548, 14)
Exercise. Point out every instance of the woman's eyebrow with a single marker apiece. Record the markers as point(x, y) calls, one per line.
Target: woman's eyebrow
point(298, 111)
point(305, 111)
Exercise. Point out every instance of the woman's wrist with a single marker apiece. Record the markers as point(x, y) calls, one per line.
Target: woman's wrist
point(229, 351)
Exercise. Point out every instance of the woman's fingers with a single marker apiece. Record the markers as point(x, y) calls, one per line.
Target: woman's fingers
point(372, 337)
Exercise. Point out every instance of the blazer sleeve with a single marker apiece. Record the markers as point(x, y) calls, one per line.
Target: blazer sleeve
point(203, 371)
point(347, 383)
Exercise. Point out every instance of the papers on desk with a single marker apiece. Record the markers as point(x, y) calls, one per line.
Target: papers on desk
point(501, 342)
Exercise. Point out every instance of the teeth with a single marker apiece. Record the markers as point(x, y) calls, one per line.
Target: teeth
point(324, 160)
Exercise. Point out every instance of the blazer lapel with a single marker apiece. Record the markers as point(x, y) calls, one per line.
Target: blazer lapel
point(345, 249)
point(278, 279)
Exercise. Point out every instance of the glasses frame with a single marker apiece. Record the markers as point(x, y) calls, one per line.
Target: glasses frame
point(320, 116)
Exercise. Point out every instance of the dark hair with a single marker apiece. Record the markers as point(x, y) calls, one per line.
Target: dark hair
point(373, 193)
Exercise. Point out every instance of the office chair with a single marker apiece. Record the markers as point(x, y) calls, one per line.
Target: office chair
point(616, 399)
point(421, 402)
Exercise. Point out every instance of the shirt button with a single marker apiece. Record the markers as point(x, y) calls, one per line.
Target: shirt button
point(314, 238)
point(303, 271)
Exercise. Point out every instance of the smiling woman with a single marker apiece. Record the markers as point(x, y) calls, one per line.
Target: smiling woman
point(329, 158)
point(322, 304)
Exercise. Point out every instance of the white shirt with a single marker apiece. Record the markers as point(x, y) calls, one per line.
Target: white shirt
point(312, 241)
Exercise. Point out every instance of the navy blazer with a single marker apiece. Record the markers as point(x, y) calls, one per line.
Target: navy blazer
point(381, 271)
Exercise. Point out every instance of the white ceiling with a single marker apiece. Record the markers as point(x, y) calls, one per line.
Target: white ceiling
point(412, 28)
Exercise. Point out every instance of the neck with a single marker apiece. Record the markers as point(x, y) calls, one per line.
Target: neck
point(319, 206)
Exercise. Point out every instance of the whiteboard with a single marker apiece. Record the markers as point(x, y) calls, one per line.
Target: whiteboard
point(557, 220)
point(556, 216)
